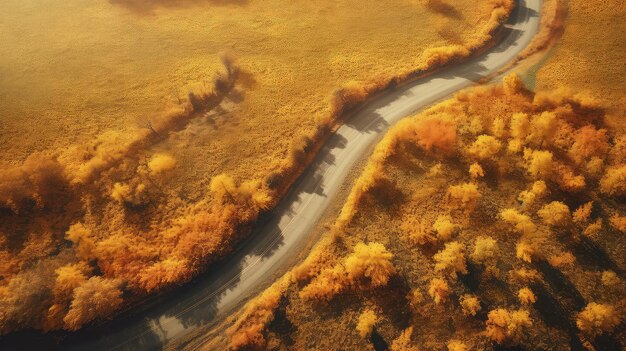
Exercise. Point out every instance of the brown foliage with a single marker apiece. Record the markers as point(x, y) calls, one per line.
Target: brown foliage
point(504, 326)
point(39, 182)
point(95, 298)
point(597, 318)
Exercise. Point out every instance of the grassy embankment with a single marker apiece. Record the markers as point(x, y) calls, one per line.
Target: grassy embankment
point(493, 218)
point(132, 157)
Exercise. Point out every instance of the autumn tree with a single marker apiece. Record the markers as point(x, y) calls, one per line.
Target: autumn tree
point(436, 135)
point(368, 265)
point(522, 223)
point(537, 191)
point(470, 304)
point(439, 290)
point(417, 231)
point(161, 163)
point(485, 147)
point(555, 213)
point(165, 272)
point(451, 260)
point(464, 196)
point(505, 326)
point(539, 163)
point(582, 213)
point(485, 249)
point(543, 128)
point(456, 345)
point(589, 142)
point(476, 171)
point(366, 323)
point(81, 237)
point(597, 319)
point(403, 341)
point(371, 261)
point(526, 296)
point(96, 298)
point(613, 182)
point(444, 227)
point(248, 330)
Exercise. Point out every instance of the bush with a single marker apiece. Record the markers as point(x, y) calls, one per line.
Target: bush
point(470, 304)
point(526, 296)
point(403, 341)
point(161, 163)
point(485, 147)
point(439, 290)
point(504, 326)
point(597, 319)
point(444, 227)
point(451, 260)
point(485, 249)
point(555, 213)
point(464, 196)
point(366, 323)
point(613, 182)
point(97, 297)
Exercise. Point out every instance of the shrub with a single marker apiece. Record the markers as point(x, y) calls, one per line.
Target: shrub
point(537, 191)
point(613, 182)
point(526, 296)
point(609, 278)
point(161, 163)
point(439, 290)
point(403, 341)
point(507, 326)
point(470, 304)
point(366, 323)
point(521, 222)
point(485, 147)
point(476, 171)
point(97, 297)
point(455, 345)
point(485, 249)
point(372, 261)
point(560, 260)
point(582, 213)
point(464, 196)
point(597, 319)
point(538, 163)
point(451, 260)
point(81, 237)
point(444, 227)
point(555, 213)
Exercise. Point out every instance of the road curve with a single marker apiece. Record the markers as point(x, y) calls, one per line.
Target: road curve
point(285, 232)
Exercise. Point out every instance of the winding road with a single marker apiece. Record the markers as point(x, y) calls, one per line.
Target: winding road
point(286, 231)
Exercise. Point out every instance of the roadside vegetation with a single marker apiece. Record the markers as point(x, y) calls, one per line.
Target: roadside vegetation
point(129, 166)
point(492, 220)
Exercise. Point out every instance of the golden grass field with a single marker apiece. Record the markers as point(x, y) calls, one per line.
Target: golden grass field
point(140, 140)
point(494, 218)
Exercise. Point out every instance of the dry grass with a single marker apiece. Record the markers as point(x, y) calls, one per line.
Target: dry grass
point(590, 55)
